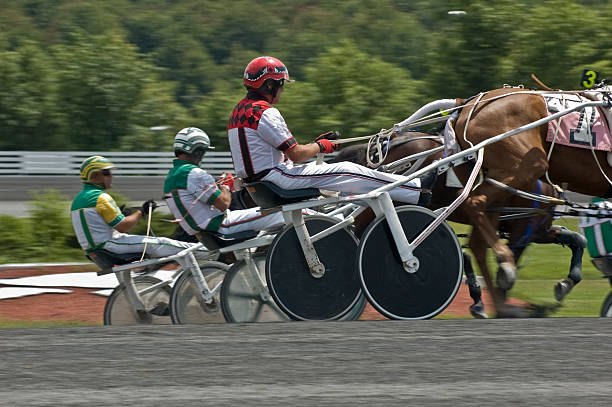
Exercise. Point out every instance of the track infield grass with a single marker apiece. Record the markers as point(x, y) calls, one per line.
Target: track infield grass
point(542, 265)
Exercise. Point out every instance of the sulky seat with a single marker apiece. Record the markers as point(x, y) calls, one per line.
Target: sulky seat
point(214, 240)
point(268, 195)
point(106, 260)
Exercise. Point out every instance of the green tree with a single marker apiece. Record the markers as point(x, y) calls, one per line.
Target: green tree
point(92, 17)
point(465, 55)
point(556, 42)
point(50, 222)
point(101, 79)
point(97, 75)
point(186, 62)
point(16, 235)
point(155, 119)
point(394, 36)
point(358, 95)
point(212, 113)
point(16, 26)
point(26, 98)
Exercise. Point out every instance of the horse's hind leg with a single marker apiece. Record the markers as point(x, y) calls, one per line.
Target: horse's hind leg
point(505, 278)
point(486, 224)
point(576, 242)
point(484, 235)
point(479, 247)
point(477, 309)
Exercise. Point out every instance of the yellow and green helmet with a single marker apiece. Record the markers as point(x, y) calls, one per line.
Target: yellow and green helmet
point(93, 164)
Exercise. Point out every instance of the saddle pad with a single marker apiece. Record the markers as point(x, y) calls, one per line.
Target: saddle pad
point(582, 129)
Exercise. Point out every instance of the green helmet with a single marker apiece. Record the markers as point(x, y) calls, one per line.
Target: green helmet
point(93, 164)
point(191, 140)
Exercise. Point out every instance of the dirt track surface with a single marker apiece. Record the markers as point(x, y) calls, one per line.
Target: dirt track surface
point(546, 362)
point(81, 306)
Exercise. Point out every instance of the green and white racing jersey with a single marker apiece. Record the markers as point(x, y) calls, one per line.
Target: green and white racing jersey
point(94, 213)
point(190, 192)
point(598, 231)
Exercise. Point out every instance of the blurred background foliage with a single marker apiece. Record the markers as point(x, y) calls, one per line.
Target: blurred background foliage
point(97, 75)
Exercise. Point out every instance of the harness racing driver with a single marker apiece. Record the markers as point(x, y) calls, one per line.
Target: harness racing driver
point(264, 149)
point(99, 224)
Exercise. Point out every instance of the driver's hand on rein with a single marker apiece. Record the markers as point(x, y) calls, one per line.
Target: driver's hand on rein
point(325, 145)
point(144, 210)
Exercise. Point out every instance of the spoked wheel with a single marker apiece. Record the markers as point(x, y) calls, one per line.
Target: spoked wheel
point(393, 291)
point(606, 308)
point(242, 299)
point(119, 311)
point(187, 306)
point(296, 291)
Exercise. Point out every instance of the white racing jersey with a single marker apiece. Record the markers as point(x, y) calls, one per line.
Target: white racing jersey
point(258, 137)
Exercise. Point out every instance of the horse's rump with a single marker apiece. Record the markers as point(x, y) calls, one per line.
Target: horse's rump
point(497, 112)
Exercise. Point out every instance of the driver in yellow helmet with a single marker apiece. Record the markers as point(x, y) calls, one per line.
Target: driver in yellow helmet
point(99, 224)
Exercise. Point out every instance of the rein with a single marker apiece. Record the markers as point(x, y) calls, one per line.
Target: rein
point(144, 249)
point(576, 209)
point(526, 195)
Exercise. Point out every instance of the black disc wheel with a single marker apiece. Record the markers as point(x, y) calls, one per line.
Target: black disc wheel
point(393, 291)
point(187, 306)
point(606, 308)
point(296, 291)
point(245, 296)
point(119, 311)
point(355, 312)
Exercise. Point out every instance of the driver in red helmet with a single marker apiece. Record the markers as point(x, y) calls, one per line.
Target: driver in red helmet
point(264, 149)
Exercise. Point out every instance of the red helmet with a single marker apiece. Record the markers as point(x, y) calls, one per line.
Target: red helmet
point(262, 68)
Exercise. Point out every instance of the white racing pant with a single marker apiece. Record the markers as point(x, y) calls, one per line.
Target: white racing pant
point(344, 177)
point(156, 246)
point(250, 219)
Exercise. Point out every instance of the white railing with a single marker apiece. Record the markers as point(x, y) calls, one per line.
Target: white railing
point(58, 163)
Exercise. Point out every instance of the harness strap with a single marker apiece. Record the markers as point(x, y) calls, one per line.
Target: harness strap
point(526, 195)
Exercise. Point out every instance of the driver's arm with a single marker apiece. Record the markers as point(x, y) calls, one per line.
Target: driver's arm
point(302, 152)
point(222, 202)
point(128, 222)
point(111, 213)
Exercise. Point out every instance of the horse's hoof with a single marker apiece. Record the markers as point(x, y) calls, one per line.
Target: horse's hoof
point(563, 287)
point(161, 309)
point(211, 307)
point(512, 311)
point(478, 310)
point(144, 317)
point(544, 310)
point(506, 276)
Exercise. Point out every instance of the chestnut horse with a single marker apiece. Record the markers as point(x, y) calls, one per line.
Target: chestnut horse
point(520, 232)
point(518, 161)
